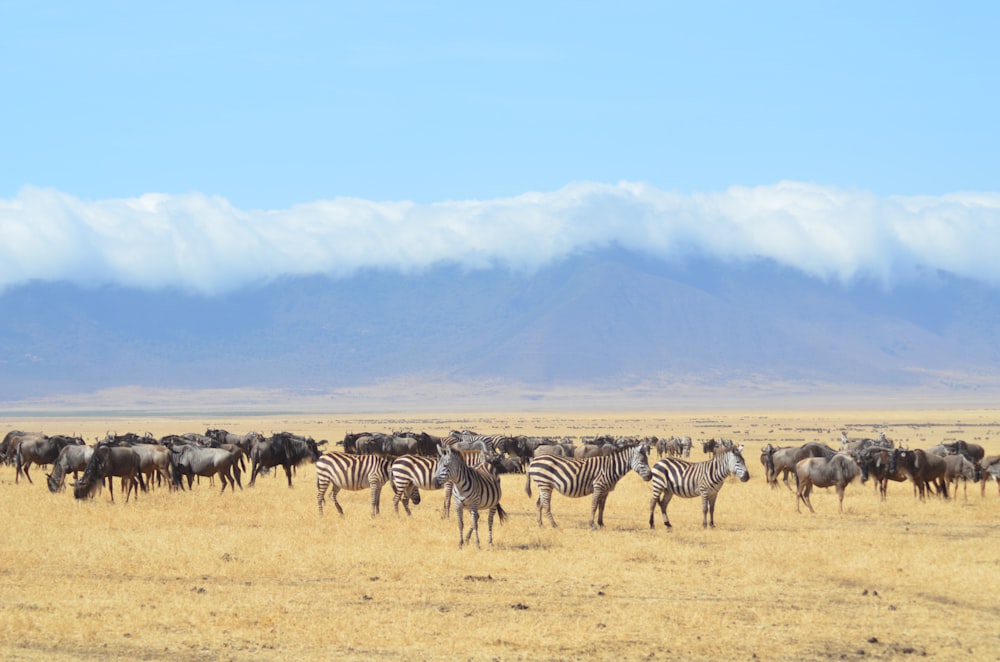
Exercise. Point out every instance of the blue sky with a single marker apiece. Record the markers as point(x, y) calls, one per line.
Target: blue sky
point(253, 107)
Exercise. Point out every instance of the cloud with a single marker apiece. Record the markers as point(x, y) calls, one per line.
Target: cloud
point(203, 244)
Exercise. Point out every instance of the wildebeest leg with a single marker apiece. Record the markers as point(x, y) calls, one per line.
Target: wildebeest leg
point(237, 474)
point(288, 472)
point(840, 495)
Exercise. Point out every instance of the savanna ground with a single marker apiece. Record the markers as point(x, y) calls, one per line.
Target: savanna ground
point(260, 575)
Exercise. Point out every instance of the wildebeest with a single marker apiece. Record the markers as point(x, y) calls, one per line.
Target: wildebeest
point(285, 449)
point(110, 462)
point(73, 459)
point(924, 469)
point(154, 462)
point(960, 468)
point(244, 441)
point(11, 441)
point(41, 451)
point(838, 472)
point(191, 460)
point(876, 462)
point(784, 460)
point(989, 468)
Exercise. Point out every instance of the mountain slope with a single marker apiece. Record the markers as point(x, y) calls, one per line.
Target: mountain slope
point(606, 319)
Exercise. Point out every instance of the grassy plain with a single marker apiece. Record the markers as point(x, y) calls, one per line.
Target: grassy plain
point(260, 575)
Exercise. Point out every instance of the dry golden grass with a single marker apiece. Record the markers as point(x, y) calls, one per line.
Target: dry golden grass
point(260, 575)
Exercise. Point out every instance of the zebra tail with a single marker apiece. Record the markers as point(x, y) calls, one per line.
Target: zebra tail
point(501, 513)
point(527, 483)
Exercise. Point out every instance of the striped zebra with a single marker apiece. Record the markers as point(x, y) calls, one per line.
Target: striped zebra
point(340, 471)
point(497, 443)
point(474, 488)
point(412, 473)
point(577, 478)
point(675, 477)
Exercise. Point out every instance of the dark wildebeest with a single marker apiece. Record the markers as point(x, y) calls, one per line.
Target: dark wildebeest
point(784, 460)
point(244, 441)
point(41, 451)
point(875, 462)
point(924, 469)
point(110, 462)
point(975, 452)
point(11, 441)
point(838, 472)
point(191, 460)
point(285, 449)
point(71, 459)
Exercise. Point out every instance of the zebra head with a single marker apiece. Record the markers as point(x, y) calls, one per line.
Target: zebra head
point(446, 459)
point(737, 465)
point(639, 461)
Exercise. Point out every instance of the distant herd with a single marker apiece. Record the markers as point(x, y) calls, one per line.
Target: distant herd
point(467, 466)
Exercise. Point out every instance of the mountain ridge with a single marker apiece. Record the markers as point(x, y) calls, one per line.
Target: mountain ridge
point(607, 318)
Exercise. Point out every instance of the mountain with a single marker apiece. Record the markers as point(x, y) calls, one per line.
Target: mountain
point(610, 318)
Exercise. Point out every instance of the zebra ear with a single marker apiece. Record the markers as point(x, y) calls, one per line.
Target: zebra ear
point(440, 450)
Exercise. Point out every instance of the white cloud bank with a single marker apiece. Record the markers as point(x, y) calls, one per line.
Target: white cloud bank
point(204, 244)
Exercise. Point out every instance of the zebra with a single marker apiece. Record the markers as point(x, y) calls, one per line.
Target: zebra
point(496, 443)
point(341, 471)
point(675, 477)
point(412, 473)
point(577, 478)
point(474, 488)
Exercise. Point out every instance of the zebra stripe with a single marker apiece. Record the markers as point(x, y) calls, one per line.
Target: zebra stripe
point(496, 443)
point(412, 473)
point(675, 477)
point(577, 478)
point(340, 471)
point(474, 488)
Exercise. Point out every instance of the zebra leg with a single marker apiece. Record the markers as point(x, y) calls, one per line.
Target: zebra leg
point(461, 525)
point(397, 496)
point(489, 521)
point(376, 497)
point(711, 510)
point(448, 487)
point(597, 506)
point(664, 500)
point(333, 497)
point(474, 510)
point(544, 503)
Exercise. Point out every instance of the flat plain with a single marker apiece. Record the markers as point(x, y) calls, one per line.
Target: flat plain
point(259, 574)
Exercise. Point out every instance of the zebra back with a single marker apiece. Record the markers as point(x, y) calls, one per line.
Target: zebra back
point(576, 478)
point(352, 472)
point(690, 479)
